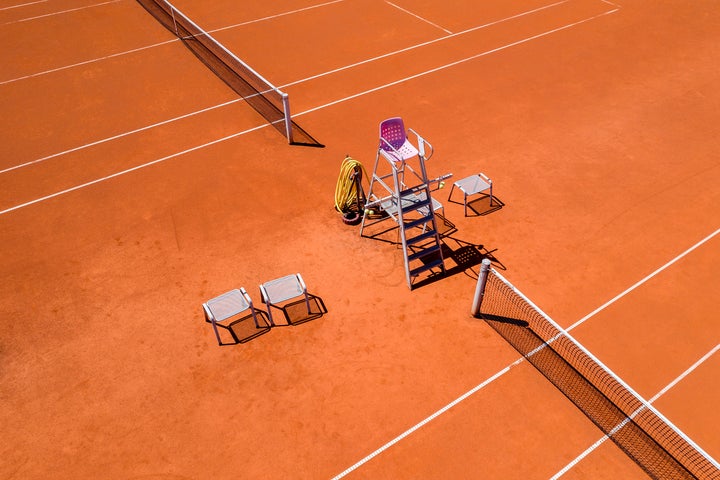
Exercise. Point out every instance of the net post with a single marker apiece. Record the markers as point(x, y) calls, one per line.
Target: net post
point(480, 287)
point(288, 120)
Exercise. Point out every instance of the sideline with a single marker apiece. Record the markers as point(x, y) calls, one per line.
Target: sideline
point(59, 12)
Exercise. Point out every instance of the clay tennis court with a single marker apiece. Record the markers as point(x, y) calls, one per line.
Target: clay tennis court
point(136, 186)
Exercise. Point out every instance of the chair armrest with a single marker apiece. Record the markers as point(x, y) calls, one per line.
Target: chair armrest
point(421, 142)
point(246, 296)
point(302, 283)
point(208, 314)
point(265, 296)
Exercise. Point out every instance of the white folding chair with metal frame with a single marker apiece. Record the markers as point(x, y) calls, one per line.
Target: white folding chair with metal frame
point(231, 305)
point(276, 293)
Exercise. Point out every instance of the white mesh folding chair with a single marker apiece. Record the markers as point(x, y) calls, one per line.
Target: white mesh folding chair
point(227, 309)
point(472, 185)
point(276, 293)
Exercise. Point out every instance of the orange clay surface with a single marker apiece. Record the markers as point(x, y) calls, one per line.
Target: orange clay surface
point(120, 214)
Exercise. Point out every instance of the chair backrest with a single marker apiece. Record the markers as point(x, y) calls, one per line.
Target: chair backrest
point(392, 131)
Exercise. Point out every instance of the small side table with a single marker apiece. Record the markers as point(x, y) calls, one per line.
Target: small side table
point(472, 185)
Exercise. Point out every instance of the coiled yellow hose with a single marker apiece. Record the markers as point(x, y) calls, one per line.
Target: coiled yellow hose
point(346, 191)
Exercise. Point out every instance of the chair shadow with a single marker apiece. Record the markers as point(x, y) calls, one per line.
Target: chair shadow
point(483, 206)
point(296, 312)
point(462, 255)
point(244, 329)
point(445, 227)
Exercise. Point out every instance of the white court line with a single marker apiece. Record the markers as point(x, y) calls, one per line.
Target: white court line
point(22, 5)
point(61, 12)
point(419, 17)
point(458, 62)
point(428, 419)
point(653, 274)
point(335, 102)
point(138, 167)
point(134, 50)
point(662, 392)
point(429, 42)
point(86, 62)
point(497, 375)
point(272, 17)
point(137, 130)
point(330, 72)
point(65, 67)
point(507, 369)
point(120, 135)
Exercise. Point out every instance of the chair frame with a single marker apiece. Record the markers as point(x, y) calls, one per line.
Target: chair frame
point(277, 302)
point(468, 193)
point(210, 316)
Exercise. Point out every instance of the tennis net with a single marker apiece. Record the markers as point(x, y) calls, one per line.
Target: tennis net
point(268, 100)
point(632, 423)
